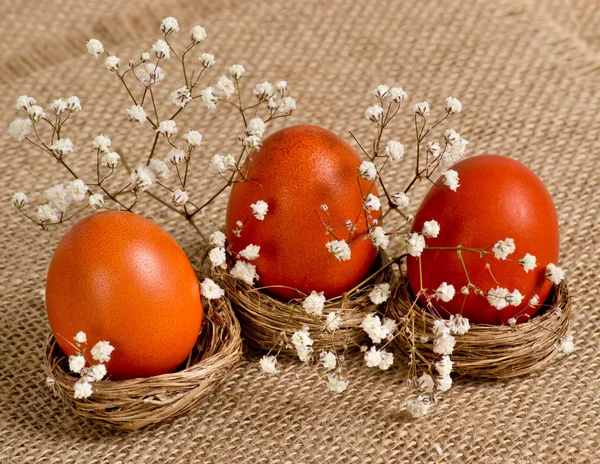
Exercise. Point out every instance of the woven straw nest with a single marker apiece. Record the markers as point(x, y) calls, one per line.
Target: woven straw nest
point(489, 351)
point(268, 323)
point(136, 403)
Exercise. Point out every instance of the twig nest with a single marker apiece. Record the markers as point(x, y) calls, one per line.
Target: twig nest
point(268, 323)
point(136, 403)
point(486, 351)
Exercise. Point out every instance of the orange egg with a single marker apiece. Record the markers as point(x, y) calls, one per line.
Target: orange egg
point(296, 171)
point(498, 198)
point(119, 277)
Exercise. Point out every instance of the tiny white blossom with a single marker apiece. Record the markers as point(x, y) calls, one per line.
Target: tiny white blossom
point(444, 366)
point(459, 325)
point(268, 364)
point(328, 359)
point(397, 94)
point(210, 290)
point(94, 47)
point(336, 383)
point(179, 198)
point(169, 25)
point(193, 138)
point(286, 105)
point(256, 126)
point(281, 86)
point(421, 109)
point(162, 49)
point(534, 301)
point(372, 357)
point(433, 149)
point(445, 292)
point(380, 293)
point(372, 203)
point(387, 359)
point(374, 113)
point(453, 105)
point(76, 363)
point(451, 179)
point(73, 104)
point(46, 213)
point(19, 200)
point(415, 244)
point(367, 170)
point(208, 98)
point(159, 168)
point(394, 150)
point(110, 159)
point(465, 290)
point(245, 272)
point(142, 178)
point(515, 298)
point(175, 156)
point(168, 127)
point(24, 102)
point(314, 303)
point(303, 343)
point(237, 71)
point(225, 87)
point(512, 322)
point(379, 238)
point(80, 337)
point(181, 96)
point(264, 91)
point(529, 262)
point(497, 297)
point(98, 372)
point(503, 248)
point(149, 74)
point(377, 330)
point(198, 34)
point(207, 60)
point(112, 63)
point(82, 389)
point(444, 383)
point(400, 199)
point(251, 252)
point(418, 407)
point(58, 197)
point(101, 142)
point(36, 113)
point(252, 142)
point(77, 190)
point(444, 344)
point(96, 201)
point(554, 274)
point(217, 164)
point(425, 382)
point(380, 91)
point(333, 321)
point(455, 147)
point(566, 345)
point(431, 228)
point(339, 249)
point(101, 351)
point(59, 106)
point(218, 257)
point(440, 327)
point(259, 209)
point(20, 128)
point(217, 239)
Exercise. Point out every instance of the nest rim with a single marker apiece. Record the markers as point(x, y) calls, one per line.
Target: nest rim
point(128, 405)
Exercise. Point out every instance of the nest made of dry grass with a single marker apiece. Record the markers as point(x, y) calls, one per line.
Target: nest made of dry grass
point(488, 351)
point(136, 403)
point(268, 323)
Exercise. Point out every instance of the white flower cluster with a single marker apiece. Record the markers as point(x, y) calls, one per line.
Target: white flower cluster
point(302, 343)
point(377, 329)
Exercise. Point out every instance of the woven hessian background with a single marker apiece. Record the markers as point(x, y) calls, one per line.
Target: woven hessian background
point(528, 74)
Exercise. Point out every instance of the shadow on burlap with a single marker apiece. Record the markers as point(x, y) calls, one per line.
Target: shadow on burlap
point(527, 74)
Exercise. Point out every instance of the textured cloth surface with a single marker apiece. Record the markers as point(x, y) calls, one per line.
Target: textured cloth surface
point(528, 74)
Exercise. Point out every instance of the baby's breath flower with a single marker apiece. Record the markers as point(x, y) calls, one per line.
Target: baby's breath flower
point(76, 363)
point(46, 213)
point(217, 239)
point(210, 290)
point(245, 272)
point(286, 105)
point(256, 126)
point(251, 252)
point(372, 357)
point(96, 201)
point(162, 49)
point(339, 249)
point(534, 301)
point(94, 47)
point(380, 91)
point(273, 103)
point(144, 57)
point(225, 87)
point(554, 274)
point(77, 190)
point(159, 168)
point(440, 327)
point(217, 257)
point(444, 344)
point(431, 228)
point(376, 329)
point(529, 262)
point(207, 60)
point(455, 147)
point(58, 197)
point(264, 91)
point(198, 34)
point(252, 142)
point(387, 359)
point(101, 351)
point(217, 164)
point(179, 198)
point(98, 372)
point(59, 106)
point(303, 343)
point(379, 238)
point(367, 170)
point(24, 102)
point(82, 389)
point(465, 290)
point(62, 147)
point(268, 364)
point(237, 71)
point(374, 113)
point(453, 105)
point(400, 199)
point(372, 203)
point(445, 292)
point(181, 96)
point(149, 74)
point(259, 209)
point(169, 25)
point(168, 127)
point(380, 293)
point(421, 109)
point(314, 303)
point(112, 63)
point(101, 142)
point(512, 322)
point(497, 297)
point(444, 366)
point(433, 149)
point(418, 407)
point(73, 104)
point(20, 128)
point(333, 321)
point(503, 248)
point(281, 86)
point(175, 156)
point(397, 94)
point(110, 159)
point(142, 178)
point(459, 325)
point(394, 150)
point(566, 345)
point(451, 179)
point(36, 113)
point(425, 382)
point(193, 138)
point(444, 383)
point(328, 359)
point(515, 298)
point(19, 200)
point(80, 337)
point(415, 244)
point(208, 98)
point(336, 383)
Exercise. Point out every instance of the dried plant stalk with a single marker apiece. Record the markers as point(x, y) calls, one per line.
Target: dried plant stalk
point(487, 351)
point(137, 403)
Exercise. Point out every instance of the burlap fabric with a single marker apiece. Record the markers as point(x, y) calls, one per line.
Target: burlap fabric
point(528, 74)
